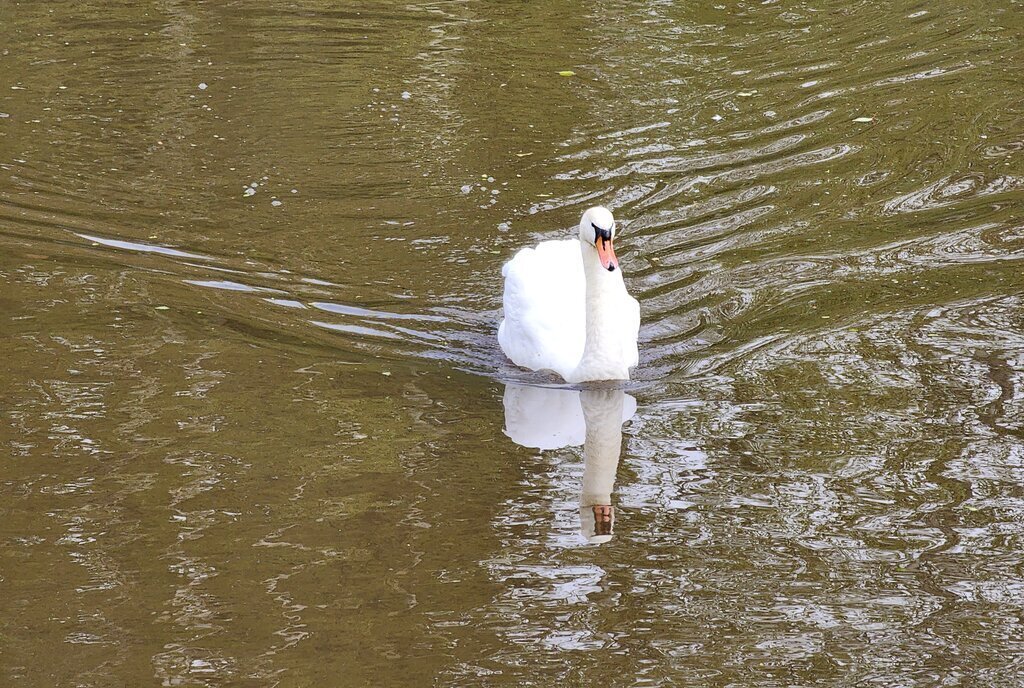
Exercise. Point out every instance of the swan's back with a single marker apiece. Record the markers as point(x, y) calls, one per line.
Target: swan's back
point(545, 315)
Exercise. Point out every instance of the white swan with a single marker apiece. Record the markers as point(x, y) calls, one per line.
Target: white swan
point(567, 309)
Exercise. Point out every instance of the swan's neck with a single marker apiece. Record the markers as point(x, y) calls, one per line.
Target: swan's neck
point(602, 351)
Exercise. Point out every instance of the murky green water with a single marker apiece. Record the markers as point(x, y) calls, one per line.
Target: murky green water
point(254, 413)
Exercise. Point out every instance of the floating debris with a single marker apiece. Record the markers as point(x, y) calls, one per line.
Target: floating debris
point(406, 95)
point(203, 86)
point(567, 72)
point(864, 120)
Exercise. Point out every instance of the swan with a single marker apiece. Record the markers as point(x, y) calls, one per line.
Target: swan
point(567, 309)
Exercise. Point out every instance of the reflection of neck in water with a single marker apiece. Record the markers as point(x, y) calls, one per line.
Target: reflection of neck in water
point(602, 411)
point(546, 418)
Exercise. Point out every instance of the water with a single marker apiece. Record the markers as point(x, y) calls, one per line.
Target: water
point(253, 416)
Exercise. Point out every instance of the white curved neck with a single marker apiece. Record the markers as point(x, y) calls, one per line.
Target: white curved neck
point(602, 351)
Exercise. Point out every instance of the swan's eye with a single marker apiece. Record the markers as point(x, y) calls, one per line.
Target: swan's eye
point(599, 233)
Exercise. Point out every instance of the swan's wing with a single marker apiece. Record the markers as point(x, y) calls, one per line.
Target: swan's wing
point(545, 295)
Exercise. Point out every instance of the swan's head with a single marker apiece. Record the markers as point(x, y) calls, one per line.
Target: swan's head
point(597, 228)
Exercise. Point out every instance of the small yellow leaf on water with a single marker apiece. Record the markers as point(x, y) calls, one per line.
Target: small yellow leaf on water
point(522, 155)
point(864, 120)
point(567, 72)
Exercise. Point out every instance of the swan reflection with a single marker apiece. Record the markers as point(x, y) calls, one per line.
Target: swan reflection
point(547, 418)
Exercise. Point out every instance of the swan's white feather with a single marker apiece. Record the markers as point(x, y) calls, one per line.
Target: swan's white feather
point(630, 329)
point(545, 307)
point(545, 310)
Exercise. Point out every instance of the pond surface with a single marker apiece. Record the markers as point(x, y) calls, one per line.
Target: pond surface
point(257, 430)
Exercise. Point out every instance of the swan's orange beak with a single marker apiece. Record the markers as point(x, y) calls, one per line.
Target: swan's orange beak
point(606, 254)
